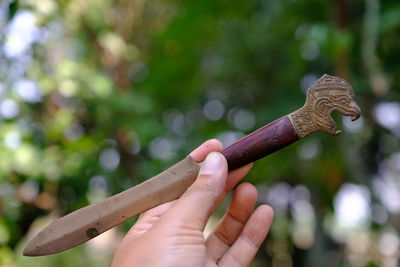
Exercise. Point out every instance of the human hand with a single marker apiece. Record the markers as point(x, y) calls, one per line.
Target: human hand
point(172, 234)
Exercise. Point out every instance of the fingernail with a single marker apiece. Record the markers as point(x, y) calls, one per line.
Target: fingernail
point(212, 164)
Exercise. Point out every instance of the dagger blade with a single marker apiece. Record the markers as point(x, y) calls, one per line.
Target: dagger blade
point(88, 222)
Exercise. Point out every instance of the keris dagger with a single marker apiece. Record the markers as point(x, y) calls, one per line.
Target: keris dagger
point(327, 95)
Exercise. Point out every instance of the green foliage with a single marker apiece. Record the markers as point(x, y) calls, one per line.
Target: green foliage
point(97, 96)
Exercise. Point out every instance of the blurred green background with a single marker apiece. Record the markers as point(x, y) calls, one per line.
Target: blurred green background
point(99, 95)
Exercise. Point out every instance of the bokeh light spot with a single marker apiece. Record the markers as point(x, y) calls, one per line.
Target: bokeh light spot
point(213, 110)
point(9, 108)
point(109, 158)
point(28, 91)
point(12, 140)
point(352, 205)
point(162, 148)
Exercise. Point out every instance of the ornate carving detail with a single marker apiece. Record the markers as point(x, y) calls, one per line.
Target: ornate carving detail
point(327, 95)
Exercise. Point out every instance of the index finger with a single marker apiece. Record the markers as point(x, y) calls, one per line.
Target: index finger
point(200, 153)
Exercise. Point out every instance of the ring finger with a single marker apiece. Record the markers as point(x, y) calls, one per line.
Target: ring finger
point(231, 225)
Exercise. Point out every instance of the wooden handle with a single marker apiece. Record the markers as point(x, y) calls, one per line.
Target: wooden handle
point(260, 143)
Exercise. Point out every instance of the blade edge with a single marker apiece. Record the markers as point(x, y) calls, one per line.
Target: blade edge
point(89, 222)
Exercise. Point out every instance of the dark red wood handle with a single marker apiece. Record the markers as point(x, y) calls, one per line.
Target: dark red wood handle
point(260, 143)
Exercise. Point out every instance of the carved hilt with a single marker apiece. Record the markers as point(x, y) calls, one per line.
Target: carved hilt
point(327, 95)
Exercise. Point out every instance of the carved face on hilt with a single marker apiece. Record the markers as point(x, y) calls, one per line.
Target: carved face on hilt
point(327, 95)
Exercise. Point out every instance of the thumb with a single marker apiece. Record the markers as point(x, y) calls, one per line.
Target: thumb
point(195, 206)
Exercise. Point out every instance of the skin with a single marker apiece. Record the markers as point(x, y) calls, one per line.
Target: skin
point(172, 234)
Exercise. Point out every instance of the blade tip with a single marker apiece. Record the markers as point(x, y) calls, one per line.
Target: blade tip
point(29, 252)
point(32, 250)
